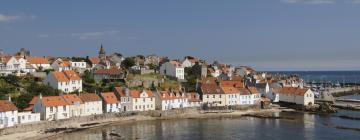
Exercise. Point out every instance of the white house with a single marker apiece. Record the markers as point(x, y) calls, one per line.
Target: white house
point(172, 100)
point(255, 95)
point(110, 102)
point(232, 95)
point(52, 108)
point(61, 65)
point(172, 68)
point(245, 97)
point(194, 100)
point(11, 64)
point(66, 81)
point(189, 62)
point(8, 114)
point(92, 102)
point(296, 95)
point(213, 95)
point(78, 65)
point(28, 117)
point(77, 106)
point(135, 100)
point(39, 62)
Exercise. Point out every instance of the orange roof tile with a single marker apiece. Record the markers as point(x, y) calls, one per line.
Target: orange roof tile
point(54, 101)
point(37, 60)
point(109, 97)
point(6, 105)
point(72, 98)
point(89, 97)
point(253, 90)
point(174, 62)
point(94, 60)
point(230, 90)
point(66, 76)
point(193, 97)
point(112, 71)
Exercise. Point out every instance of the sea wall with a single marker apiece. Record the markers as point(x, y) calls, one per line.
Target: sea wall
point(77, 122)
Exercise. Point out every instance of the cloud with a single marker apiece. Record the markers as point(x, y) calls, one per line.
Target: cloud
point(94, 35)
point(310, 1)
point(5, 18)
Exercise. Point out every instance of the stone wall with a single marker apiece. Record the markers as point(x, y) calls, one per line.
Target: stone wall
point(76, 122)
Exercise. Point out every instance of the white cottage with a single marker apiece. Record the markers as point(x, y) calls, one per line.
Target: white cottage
point(173, 69)
point(296, 95)
point(28, 117)
point(52, 108)
point(77, 106)
point(172, 100)
point(110, 102)
point(8, 114)
point(92, 102)
point(66, 81)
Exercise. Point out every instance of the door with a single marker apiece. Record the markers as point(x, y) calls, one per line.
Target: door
point(124, 108)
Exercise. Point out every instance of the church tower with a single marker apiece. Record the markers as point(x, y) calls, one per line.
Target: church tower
point(102, 54)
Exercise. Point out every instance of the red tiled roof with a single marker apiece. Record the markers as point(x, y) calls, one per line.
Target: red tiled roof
point(192, 97)
point(37, 60)
point(166, 95)
point(94, 60)
point(54, 101)
point(244, 91)
point(231, 83)
point(291, 90)
point(136, 93)
point(112, 71)
point(89, 97)
point(72, 98)
point(6, 105)
point(66, 76)
point(109, 97)
point(230, 90)
point(253, 90)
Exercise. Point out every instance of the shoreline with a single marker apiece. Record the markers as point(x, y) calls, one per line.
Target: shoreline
point(191, 114)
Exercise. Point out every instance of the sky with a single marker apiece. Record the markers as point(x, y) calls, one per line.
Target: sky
point(264, 34)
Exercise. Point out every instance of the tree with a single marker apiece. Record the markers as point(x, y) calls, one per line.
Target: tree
point(128, 62)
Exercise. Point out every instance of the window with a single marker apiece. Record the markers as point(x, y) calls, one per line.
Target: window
point(213, 96)
point(64, 108)
point(219, 96)
point(147, 106)
point(144, 99)
point(135, 100)
point(12, 119)
point(51, 109)
point(136, 107)
point(23, 117)
point(151, 99)
point(207, 96)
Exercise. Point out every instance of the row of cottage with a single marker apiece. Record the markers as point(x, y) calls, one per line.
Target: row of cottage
point(84, 104)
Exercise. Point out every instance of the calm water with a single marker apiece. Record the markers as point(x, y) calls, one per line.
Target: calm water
point(305, 126)
point(332, 76)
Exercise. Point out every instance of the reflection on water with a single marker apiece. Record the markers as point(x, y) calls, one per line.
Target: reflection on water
point(305, 126)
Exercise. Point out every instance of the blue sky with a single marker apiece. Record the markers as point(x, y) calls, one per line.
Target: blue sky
point(266, 34)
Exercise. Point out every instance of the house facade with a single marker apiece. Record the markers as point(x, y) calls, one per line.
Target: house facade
point(52, 108)
point(172, 100)
point(194, 100)
point(66, 81)
point(8, 114)
point(92, 104)
point(61, 65)
point(173, 69)
point(136, 100)
point(28, 117)
point(296, 95)
point(110, 102)
point(39, 62)
point(77, 106)
point(232, 96)
point(108, 74)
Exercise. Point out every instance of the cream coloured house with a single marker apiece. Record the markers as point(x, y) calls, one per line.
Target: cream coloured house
point(52, 108)
point(28, 117)
point(92, 104)
point(232, 95)
point(77, 106)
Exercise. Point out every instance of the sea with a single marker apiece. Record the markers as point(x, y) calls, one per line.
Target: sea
point(325, 76)
point(303, 126)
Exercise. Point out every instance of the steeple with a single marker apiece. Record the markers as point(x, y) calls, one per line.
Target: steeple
point(102, 54)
